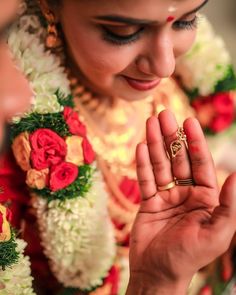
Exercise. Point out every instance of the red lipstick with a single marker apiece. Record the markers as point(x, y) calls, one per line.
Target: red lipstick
point(142, 85)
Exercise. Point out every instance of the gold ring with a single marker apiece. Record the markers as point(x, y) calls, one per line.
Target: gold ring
point(167, 186)
point(184, 182)
point(177, 145)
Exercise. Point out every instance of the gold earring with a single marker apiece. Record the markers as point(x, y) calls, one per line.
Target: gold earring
point(53, 41)
point(21, 8)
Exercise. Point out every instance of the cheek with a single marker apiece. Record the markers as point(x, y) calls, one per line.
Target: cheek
point(8, 9)
point(184, 42)
point(95, 56)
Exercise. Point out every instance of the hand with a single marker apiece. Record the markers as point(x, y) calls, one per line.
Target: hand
point(180, 230)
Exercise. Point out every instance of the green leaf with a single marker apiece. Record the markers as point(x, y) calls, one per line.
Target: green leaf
point(8, 253)
point(77, 189)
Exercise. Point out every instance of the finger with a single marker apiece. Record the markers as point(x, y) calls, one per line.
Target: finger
point(203, 169)
point(223, 222)
point(180, 163)
point(157, 152)
point(145, 174)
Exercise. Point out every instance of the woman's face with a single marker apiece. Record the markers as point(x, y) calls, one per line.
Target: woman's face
point(125, 47)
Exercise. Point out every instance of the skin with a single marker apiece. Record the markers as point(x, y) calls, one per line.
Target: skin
point(152, 56)
point(8, 11)
point(178, 231)
point(13, 100)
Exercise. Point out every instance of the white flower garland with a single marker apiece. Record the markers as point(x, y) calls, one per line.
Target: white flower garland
point(77, 234)
point(17, 279)
point(206, 63)
point(41, 68)
point(78, 238)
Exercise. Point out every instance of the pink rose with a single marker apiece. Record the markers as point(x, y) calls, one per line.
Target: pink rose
point(21, 150)
point(76, 127)
point(88, 152)
point(48, 148)
point(62, 176)
point(74, 150)
point(5, 230)
point(37, 178)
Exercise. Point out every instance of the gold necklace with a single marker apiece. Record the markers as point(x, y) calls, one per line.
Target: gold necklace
point(114, 128)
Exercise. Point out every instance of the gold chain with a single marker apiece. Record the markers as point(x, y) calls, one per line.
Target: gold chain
point(114, 128)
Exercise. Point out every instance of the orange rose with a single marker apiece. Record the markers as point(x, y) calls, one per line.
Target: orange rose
point(75, 150)
point(21, 150)
point(37, 178)
point(5, 229)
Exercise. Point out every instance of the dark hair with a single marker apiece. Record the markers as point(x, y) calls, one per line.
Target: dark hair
point(53, 2)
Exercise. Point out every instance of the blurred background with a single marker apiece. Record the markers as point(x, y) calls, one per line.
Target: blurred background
point(222, 16)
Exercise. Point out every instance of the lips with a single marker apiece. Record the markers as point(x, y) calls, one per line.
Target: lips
point(142, 85)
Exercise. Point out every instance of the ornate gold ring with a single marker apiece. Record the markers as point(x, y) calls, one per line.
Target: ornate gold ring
point(177, 144)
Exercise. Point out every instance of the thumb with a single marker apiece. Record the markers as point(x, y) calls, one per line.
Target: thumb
point(223, 221)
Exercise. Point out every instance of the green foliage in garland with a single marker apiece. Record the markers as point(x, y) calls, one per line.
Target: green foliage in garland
point(53, 121)
point(68, 291)
point(65, 101)
point(78, 188)
point(192, 94)
point(8, 253)
point(228, 83)
point(34, 121)
point(75, 291)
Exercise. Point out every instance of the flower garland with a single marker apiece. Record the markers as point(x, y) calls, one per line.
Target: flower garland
point(15, 275)
point(207, 67)
point(50, 144)
point(80, 232)
point(206, 73)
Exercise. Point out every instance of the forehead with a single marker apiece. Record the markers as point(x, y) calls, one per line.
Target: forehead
point(136, 8)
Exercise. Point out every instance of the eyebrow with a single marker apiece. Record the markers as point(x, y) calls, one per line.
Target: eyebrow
point(133, 21)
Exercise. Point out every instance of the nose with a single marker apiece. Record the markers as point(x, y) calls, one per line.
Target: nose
point(158, 57)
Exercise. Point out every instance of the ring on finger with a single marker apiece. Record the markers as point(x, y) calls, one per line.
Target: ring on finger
point(177, 144)
point(184, 182)
point(167, 186)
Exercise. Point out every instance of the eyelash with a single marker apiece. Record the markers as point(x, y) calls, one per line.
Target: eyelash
point(128, 39)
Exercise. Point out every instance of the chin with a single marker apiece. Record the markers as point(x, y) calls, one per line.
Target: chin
point(129, 94)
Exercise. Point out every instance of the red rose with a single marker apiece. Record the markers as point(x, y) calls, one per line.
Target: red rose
point(62, 176)
point(221, 122)
point(223, 102)
point(9, 215)
point(215, 111)
point(206, 290)
point(48, 148)
point(1, 223)
point(88, 152)
point(113, 279)
point(76, 127)
point(204, 110)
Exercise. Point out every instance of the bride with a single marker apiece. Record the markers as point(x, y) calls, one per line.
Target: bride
point(89, 75)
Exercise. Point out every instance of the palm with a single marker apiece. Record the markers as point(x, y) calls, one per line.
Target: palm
point(179, 220)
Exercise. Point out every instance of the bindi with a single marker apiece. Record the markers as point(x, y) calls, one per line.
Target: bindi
point(170, 18)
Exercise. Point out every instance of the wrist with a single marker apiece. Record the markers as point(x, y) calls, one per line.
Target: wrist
point(142, 284)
